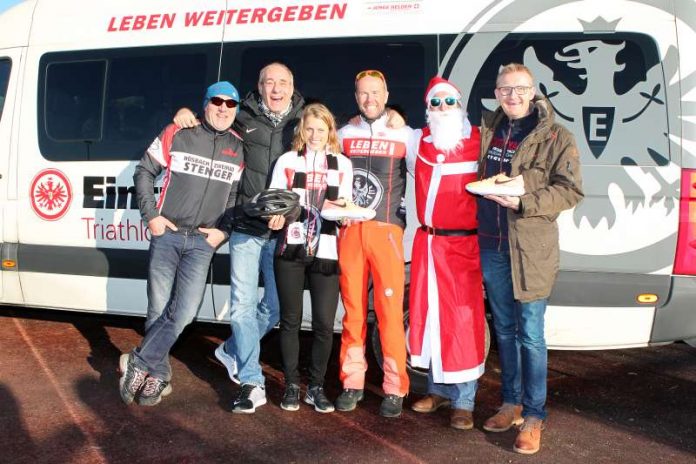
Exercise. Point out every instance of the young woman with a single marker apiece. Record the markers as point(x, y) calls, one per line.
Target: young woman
point(317, 171)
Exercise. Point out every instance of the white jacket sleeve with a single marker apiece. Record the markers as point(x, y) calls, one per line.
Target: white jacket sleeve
point(279, 178)
point(345, 171)
point(412, 149)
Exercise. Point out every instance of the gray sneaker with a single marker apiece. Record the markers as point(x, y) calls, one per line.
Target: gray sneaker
point(348, 400)
point(132, 378)
point(391, 406)
point(153, 391)
point(228, 361)
point(315, 396)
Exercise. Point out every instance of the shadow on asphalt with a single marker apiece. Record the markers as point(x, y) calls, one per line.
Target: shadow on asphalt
point(631, 391)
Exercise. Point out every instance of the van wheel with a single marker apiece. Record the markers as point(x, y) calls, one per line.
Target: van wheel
point(418, 377)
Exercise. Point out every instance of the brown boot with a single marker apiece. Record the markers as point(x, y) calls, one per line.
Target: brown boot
point(430, 403)
point(462, 419)
point(529, 439)
point(507, 416)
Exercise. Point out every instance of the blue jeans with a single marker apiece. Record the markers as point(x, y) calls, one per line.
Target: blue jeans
point(461, 395)
point(175, 285)
point(519, 329)
point(250, 318)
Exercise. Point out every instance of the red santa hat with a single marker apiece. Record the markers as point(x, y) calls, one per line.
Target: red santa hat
point(438, 84)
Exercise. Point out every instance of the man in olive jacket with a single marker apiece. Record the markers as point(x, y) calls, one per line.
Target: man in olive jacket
point(518, 237)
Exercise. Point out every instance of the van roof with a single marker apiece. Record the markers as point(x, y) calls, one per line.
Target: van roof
point(86, 24)
point(15, 24)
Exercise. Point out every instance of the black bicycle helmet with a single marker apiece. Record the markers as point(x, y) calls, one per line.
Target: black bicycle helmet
point(271, 202)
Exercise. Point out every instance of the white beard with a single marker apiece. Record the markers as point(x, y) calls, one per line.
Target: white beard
point(447, 128)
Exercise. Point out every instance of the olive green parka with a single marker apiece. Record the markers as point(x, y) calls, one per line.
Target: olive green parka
point(549, 163)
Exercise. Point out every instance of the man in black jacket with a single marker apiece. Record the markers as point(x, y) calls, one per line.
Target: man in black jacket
point(266, 121)
point(202, 167)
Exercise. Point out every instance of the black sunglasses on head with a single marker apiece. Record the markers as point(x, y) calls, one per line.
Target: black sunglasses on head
point(217, 101)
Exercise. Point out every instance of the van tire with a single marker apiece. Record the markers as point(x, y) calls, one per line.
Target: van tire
point(418, 377)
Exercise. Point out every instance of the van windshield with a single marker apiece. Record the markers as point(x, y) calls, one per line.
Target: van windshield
point(5, 66)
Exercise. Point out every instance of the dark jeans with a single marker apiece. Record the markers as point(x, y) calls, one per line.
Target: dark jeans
point(323, 289)
point(519, 330)
point(176, 281)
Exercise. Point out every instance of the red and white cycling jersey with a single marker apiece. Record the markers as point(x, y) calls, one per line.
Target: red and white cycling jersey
point(378, 154)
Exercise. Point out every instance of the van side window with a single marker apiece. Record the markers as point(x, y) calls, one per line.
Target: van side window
point(5, 66)
point(110, 104)
point(325, 70)
point(74, 101)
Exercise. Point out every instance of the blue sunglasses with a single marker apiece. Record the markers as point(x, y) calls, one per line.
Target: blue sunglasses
point(437, 101)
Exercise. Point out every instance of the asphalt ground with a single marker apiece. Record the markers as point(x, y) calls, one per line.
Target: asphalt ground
point(59, 404)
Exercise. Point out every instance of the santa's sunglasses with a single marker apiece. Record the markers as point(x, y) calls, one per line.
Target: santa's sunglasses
point(217, 101)
point(437, 101)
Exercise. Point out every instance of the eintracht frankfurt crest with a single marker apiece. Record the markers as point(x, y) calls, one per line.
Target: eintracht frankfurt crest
point(367, 189)
point(50, 194)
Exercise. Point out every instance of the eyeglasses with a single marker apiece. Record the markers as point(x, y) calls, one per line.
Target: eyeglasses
point(217, 101)
point(371, 73)
point(519, 90)
point(437, 101)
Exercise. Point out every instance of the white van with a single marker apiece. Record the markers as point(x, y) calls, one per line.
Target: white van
point(85, 86)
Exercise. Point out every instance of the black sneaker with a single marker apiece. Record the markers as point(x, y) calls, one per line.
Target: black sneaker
point(315, 396)
point(153, 391)
point(132, 378)
point(291, 398)
point(391, 406)
point(348, 400)
point(249, 398)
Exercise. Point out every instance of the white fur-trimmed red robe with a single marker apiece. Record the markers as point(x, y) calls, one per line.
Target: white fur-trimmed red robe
point(446, 295)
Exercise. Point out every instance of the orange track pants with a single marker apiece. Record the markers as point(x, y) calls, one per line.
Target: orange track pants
point(374, 248)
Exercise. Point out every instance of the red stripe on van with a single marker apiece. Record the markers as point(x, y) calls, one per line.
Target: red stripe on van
point(685, 259)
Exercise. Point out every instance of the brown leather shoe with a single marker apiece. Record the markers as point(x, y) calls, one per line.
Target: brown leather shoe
point(507, 416)
point(430, 403)
point(529, 439)
point(462, 419)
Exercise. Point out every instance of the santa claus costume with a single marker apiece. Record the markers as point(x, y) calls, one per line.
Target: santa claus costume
point(447, 333)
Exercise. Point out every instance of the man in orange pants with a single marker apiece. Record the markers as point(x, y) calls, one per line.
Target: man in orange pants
point(374, 247)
